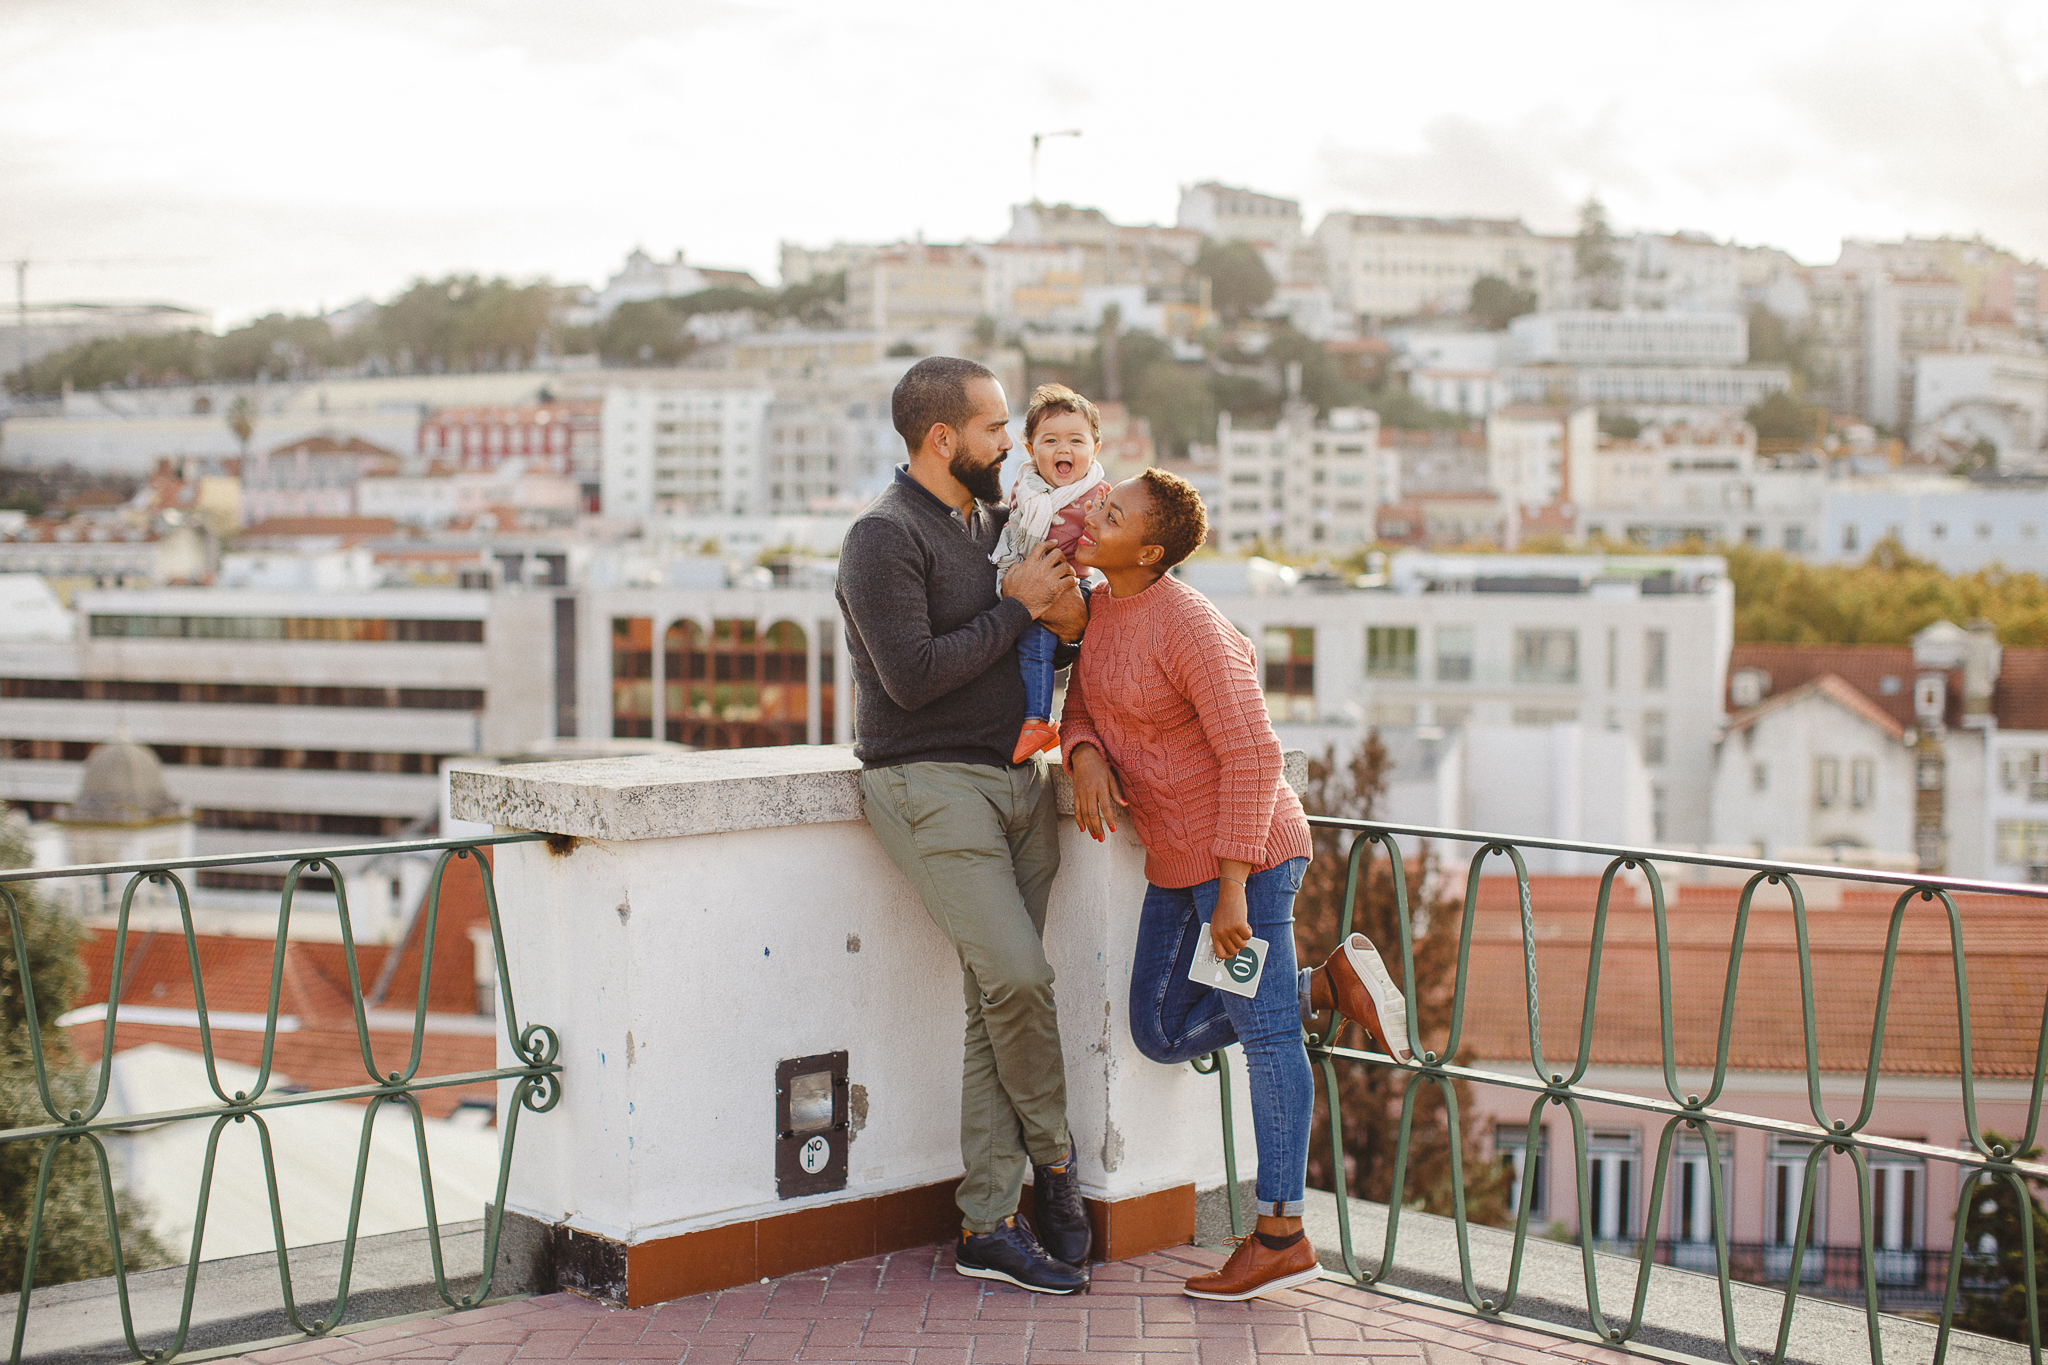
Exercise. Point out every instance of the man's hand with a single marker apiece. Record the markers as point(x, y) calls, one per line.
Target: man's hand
point(1039, 579)
point(1068, 616)
point(1097, 792)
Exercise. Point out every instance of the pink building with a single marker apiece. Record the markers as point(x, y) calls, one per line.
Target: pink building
point(1919, 1089)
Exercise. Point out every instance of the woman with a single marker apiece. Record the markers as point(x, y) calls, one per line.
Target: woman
point(1165, 717)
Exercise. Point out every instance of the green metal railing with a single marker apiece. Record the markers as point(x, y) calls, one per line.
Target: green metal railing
point(1983, 1160)
point(537, 1077)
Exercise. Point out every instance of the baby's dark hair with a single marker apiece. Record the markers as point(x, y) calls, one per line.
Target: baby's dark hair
point(1178, 523)
point(1048, 399)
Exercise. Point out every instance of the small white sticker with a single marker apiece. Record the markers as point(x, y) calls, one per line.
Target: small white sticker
point(814, 1156)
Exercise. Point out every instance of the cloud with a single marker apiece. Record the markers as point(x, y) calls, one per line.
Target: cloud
point(1945, 127)
point(1538, 169)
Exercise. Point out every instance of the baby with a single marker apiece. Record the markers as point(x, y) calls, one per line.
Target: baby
point(1059, 484)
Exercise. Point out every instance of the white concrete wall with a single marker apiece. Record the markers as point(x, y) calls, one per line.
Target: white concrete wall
point(679, 969)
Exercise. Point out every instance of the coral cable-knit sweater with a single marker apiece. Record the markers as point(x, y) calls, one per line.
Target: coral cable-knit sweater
point(1169, 691)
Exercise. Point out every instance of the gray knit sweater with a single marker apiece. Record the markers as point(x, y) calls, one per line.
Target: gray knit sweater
point(932, 646)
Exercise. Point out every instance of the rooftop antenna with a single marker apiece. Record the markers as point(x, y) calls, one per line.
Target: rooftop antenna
point(1037, 138)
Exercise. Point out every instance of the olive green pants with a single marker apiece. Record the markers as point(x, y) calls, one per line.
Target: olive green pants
point(981, 845)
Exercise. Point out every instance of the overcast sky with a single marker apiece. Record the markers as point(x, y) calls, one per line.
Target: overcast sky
point(266, 155)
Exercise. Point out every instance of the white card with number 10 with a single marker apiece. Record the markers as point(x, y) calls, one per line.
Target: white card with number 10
point(1239, 976)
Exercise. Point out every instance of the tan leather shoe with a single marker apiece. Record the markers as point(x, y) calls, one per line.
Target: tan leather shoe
point(1366, 995)
point(1252, 1270)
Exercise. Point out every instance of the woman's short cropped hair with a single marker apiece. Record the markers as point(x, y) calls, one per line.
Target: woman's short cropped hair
point(1048, 399)
point(1177, 522)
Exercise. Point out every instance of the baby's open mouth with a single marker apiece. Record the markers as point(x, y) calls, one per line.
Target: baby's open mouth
point(1063, 468)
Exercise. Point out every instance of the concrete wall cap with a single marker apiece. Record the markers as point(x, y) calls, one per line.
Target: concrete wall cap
point(658, 796)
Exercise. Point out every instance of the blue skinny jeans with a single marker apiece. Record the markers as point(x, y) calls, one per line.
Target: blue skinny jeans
point(1034, 659)
point(1175, 1020)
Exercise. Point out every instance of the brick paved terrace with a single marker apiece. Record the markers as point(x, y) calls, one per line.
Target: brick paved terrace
point(910, 1308)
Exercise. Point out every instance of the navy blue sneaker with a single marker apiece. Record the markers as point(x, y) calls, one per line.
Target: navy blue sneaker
point(1011, 1254)
point(1056, 1212)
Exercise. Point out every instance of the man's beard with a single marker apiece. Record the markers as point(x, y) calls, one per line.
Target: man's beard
point(984, 481)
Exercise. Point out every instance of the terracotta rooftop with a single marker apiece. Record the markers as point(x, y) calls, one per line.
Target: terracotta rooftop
point(323, 1053)
point(2005, 952)
point(2019, 703)
point(1835, 690)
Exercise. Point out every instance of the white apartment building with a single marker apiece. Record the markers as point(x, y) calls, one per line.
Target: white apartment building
point(914, 287)
point(827, 449)
point(1454, 371)
point(1700, 481)
point(1817, 773)
point(676, 451)
point(1960, 526)
point(643, 278)
point(1631, 645)
point(1681, 272)
point(2000, 396)
point(1400, 266)
point(283, 719)
point(1304, 485)
point(1603, 337)
point(1230, 214)
point(1649, 392)
point(1541, 456)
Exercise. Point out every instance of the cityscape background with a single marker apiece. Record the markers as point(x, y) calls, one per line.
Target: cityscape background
point(1633, 420)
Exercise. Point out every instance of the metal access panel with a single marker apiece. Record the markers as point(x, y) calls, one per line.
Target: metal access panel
point(811, 1128)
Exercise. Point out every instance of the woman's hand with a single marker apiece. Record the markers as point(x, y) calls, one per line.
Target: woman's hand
point(1230, 925)
point(1097, 792)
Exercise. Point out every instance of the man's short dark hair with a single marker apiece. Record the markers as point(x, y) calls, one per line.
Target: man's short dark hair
point(934, 391)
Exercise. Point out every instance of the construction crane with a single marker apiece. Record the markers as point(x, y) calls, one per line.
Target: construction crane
point(22, 263)
point(1037, 138)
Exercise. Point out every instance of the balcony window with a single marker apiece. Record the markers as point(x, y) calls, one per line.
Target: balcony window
point(1454, 654)
point(1653, 737)
point(1654, 642)
point(1862, 782)
point(632, 677)
point(742, 688)
point(1827, 782)
point(1690, 1198)
point(1896, 1188)
point(1290, 672)
point(1784, 1188)
point(1390, 652)
point(1526, 1170)
point(1546, 656)
point(1612, 1161)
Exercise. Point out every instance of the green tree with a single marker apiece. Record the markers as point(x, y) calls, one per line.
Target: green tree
point(1774, 341)
point(73, 1244)
point(1620, 425)
point(644, 332)
point(1496, 303)
point(1881, 601)
point(1596, 256)
point(1781, 417)
point(815, 303)
point(1176, 400)
point(1399, 409)
point(1993, 1221)
point(241, 420)
point(1239, 283)
point(1370, 1096)
point(1981, 457)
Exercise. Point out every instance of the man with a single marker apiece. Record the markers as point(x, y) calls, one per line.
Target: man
point(938, 700)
